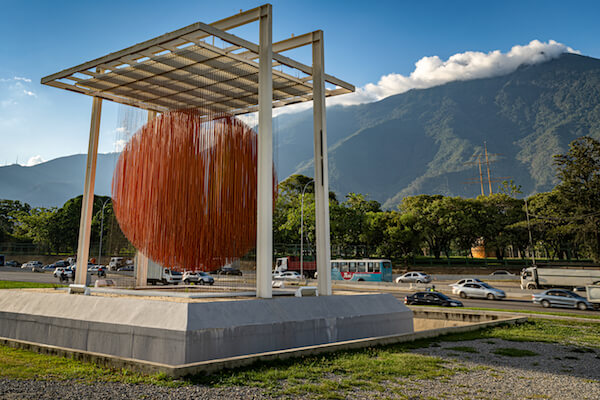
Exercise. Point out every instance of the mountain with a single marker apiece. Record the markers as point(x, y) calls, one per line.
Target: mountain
point(54, 182)
point(420, 141)
point(417, 142)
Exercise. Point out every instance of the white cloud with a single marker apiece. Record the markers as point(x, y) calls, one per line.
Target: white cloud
point(121, 129)
point(34, 161)
point(432, 71)
point(19, 78)
point(120, 145)
point(29, 93)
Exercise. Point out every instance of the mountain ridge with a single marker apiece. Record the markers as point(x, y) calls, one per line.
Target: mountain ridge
point(416, 142)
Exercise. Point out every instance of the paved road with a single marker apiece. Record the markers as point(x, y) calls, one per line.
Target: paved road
point(522, 303)
point(519, 301)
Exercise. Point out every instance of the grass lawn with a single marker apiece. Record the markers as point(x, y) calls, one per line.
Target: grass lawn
point(26, 285)
point(557, 313)
point(331, 376)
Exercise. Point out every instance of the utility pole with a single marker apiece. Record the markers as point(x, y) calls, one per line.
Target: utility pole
point(487, 163)
point(480, 174)
point(489, 158)
point(529, 230)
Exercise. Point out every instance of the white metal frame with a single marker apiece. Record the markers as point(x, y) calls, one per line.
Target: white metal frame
point(173, 71)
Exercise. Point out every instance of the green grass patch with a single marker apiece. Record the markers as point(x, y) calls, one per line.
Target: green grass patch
point(22, 364)
point(556, 313)
point(328, 376)
point(26, 285)
point(464, 349)
point(333, 374)
point(512, 352)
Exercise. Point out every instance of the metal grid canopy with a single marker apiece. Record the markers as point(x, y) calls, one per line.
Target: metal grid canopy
point(183, 70)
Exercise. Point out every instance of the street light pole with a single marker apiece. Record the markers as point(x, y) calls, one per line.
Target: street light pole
point(102, 230)
point(302, 227)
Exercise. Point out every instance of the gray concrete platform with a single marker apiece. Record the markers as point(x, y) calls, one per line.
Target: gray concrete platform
point(179, 332)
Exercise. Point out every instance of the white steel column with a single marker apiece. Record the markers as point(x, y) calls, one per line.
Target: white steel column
point(321, 169)
point(141, 260)
point(87, 204)
point(264, 212)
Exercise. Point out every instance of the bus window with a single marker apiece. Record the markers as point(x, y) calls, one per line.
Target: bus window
point(343, 266)
point(352, 266)
point(387, 264)
point(370, 265)
point(334, 265)
point(362, 267)
point(376, 267)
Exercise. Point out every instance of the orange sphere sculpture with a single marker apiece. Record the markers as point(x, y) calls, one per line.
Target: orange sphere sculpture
point(184, 190)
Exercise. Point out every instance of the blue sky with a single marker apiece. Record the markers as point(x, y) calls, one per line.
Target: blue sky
point(363, 42)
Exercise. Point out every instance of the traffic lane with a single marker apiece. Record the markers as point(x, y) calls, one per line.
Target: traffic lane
point(506, 304)
point(23, 275)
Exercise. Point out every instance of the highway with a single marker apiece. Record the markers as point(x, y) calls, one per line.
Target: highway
point(517, 299)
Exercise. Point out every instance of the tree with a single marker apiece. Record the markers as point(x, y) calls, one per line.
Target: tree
point(579, 187)
point(499, 212)
point(428, 213)
point(10, 210)
point(510, 188)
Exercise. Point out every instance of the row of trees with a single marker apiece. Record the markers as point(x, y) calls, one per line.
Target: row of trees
point(564, 222)
point(56, 230)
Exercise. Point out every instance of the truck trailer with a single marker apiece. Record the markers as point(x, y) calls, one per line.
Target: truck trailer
point(292, 263)
point(564, 277)
point(157, 273)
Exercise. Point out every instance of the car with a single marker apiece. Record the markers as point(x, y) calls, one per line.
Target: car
point(12, 263)
point(58, 264)
point(502, 273)
point(287, 275)
point(481, 290)
point(431, 299)
point(200, 278)
point(561, 298)
point(50, 267)
point(226, 271)
point(126, 268)
point(414, 277)
point(97, 270)
point(31, 264)
point(466, 280)
point(64, 273)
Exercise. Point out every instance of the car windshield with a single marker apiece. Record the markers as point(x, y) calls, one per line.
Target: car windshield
point(202, 273)
point(486, 285)
point(443, 296)
point(175, 273)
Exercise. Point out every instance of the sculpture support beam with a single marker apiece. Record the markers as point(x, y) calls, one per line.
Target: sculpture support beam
point(264, 216)
point(321, 169)
point(87, 204)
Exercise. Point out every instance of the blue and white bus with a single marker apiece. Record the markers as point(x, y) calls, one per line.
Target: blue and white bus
point(362, 270)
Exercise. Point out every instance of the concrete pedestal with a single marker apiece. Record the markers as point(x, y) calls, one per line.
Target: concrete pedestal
point(176, 333)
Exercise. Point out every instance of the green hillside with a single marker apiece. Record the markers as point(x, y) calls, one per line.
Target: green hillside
point(419, 142)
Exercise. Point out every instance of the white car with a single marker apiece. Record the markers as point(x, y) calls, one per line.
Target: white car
point(287, 276)
point(59, 270)
point(414, 277)
point(32, 264)
point(462, 282)
point(481, 290)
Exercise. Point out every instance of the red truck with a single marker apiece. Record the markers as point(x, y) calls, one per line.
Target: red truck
point(292, 263)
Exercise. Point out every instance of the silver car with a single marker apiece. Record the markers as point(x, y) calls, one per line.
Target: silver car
point(479, 289)
point(200, 278)
point(414, 277)
point(561, 298)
